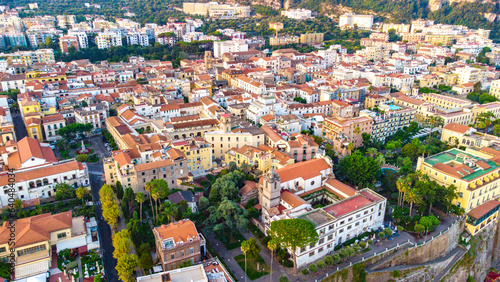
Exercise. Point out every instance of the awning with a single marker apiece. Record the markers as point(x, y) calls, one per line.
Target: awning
point(72, 243)
point(42, 277)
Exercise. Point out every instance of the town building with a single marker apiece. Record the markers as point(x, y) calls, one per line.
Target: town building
point(177, 243)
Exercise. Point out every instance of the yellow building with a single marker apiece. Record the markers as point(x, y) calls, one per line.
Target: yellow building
point(311, 38)
point(29, 106)
point(474, 173)
point(439, 39)
point(43, 76)
point(482, 216)
point(34, 127)
point(262, 158)
point(198, 152)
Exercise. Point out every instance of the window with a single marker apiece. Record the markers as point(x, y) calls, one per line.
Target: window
point(172, 256)
point(330, 237)
point(320, 250)
point(31, 250)
point(182, 254)
point(61, 235)
point(321, 241)
point(2, 249)
point(191, 251)
point(311, 254)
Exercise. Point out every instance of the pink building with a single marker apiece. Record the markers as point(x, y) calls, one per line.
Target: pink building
point(343, 131)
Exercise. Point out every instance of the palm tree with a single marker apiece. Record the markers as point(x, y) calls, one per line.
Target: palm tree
point(403, 185)
point(244, 249)
point(154, 195)
point(484, 120)
point(272, 245)
point(434, 121)
point(412, 197)
point(372, 151)
point(149, 187)
point(139, 197)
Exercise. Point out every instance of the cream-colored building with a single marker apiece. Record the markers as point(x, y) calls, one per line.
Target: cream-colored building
point(474, 172)
point(35, 239)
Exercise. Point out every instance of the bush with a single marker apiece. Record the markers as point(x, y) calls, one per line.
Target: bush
point(362, 244)
point(283, 278)
point(396, 273)
point(305, 271)
point(370, 242)
point(336, 257)
point(313, 268)
point(343, 253)
point(400, 228)
point(321, 264)
point(356, 247)
point(329, 260)
point(82, 158)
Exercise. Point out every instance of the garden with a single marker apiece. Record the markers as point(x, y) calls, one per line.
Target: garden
point(256, 266)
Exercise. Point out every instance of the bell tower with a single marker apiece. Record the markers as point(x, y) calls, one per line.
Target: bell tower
point(225, 123)
point(270, 190)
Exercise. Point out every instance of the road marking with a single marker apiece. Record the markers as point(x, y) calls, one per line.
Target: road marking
point(95, 172)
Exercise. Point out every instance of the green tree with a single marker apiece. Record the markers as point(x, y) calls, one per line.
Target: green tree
point(121, 243)
point(119, 190)
point(110, 213)
point(272, 245)
point(145, 258)
point(18, 204)
point(359, 170)
point(125, 266)
point(313, 268)
point(293, 234)
point(412, 197)
point(82, 158)
point(227, 215)
point(139, 197)
point(203, 203)
point(419, 228)
point(64, 191)
point(5, 270)
point(227, 186)
point(82, 193)
point(250, 248)
point(372, 152)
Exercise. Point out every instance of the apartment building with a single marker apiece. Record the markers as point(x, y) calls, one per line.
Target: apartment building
point(92, 117)
point(342, 131)
point(216, 10)
point(471, 74)
point(177, 243)
point(474, 172)
point(495, 88)
point(51, 124)
point(235, 45)
point(67, 41)
point(262, 158)
point(348, 20)
point(197, 151)
point(297, 14)
point(106, 40)
point(482, 216)
point(390, 121)
point(446, 102)
point(133, 170)
point(138, 38)
point(284, 40)
point(35, 239)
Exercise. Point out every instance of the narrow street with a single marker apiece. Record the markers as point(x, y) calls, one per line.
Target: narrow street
point(95, 171)
point(19, 126)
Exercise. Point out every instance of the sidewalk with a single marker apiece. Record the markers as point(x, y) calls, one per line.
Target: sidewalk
point(228, 256)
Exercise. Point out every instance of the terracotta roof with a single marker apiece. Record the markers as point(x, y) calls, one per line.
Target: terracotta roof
point(483, 209)
point(52, 118)
point(45, 171)
point(292, 199)
point(153, 165)
point(305, 170)
point(348, 205)
point(340, 189)
point(36, 229)
point(457, 127)
point(180, 231)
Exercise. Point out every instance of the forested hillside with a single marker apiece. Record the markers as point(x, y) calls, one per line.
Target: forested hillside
point(402, 11)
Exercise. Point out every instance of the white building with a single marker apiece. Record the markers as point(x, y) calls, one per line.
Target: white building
point(108, 39)
point(222, 47)
point(82, 37)
point(349, 214)
point(298, 14)
point(348, 20)
point(37, 171)
point(138, 38)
